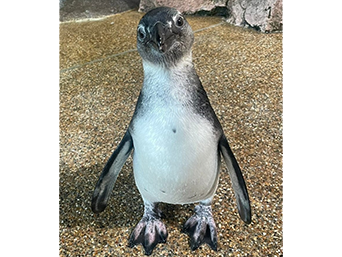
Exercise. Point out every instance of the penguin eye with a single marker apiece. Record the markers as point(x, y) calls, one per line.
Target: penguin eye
point(180, 21)
point(141, 33)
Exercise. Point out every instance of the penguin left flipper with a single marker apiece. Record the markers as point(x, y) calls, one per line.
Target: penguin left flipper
point(238, 182)
point(110, 172)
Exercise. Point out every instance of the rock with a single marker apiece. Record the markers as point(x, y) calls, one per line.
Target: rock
point(188, 7)
point(61, 3)
point(275, 22)
point(85, 9)
point(263, 15)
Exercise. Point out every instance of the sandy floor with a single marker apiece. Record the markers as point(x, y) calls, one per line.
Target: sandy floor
point(100, 79)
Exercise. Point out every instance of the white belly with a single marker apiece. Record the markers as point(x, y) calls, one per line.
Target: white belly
point(175, 156)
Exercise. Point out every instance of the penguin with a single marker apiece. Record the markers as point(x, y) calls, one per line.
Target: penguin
point(176, 138)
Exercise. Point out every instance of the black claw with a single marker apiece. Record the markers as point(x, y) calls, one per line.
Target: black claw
point(212, 242)
point(194, 244)
point(190, 226)
point(149, 246)
point(201, 228)
point(162, 237)
point(206, 239)
point(139, 240)
point(187, 229)
point(148, 239)
point(149, 250)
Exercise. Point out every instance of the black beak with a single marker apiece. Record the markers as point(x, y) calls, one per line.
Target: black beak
point(160, 35)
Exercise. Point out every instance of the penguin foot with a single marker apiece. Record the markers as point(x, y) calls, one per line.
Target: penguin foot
point(149, 232)
point(201, 228)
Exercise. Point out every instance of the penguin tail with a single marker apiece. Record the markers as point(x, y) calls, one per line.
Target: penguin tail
point(238, 182)
point(110, 173)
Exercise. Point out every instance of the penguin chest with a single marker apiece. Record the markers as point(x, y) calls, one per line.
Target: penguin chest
point(175, 156)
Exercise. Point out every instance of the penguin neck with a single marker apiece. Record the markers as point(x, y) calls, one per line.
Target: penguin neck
point(162, 78)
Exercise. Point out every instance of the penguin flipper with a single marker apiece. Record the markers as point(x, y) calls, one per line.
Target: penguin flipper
point(238, 182)
point(110, 172)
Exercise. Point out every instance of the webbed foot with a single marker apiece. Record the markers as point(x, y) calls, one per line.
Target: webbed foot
point(150, 230)
point(201, 228)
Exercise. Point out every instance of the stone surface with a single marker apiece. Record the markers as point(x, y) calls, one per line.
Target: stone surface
point(189, 7)
point(275, 22)
point(100, 78)
point(90, 9)
point(263, 15)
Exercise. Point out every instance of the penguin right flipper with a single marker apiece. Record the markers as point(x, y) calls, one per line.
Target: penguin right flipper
point(110, 172)
point(238, 182)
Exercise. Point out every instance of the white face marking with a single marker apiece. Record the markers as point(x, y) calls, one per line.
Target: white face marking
point(141, 32)
point(176, 17)
point(140, 26)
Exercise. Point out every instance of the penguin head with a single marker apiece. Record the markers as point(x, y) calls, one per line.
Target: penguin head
point(164, 37)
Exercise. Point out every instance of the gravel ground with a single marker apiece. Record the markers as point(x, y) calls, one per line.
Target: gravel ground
point(100, 79)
